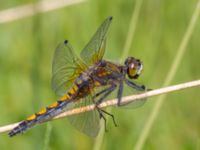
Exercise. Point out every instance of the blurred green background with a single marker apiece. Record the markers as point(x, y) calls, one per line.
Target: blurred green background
point(26, 51)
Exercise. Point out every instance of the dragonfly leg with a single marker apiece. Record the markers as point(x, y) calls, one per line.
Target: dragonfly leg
point(119, 94)
point(106, 92)
point(101, 111)
point(111, 115)
point(135, 86)
point(101, 92)
point(102, 116)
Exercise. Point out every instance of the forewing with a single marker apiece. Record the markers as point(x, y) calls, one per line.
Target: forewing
point(87, 122)
point(94, 50)
point(66, 68)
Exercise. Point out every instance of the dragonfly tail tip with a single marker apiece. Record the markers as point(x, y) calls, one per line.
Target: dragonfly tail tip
point(110, 17)
point(66, 41)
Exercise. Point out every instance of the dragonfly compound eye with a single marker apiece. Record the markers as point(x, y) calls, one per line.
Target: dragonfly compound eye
point(134, 67)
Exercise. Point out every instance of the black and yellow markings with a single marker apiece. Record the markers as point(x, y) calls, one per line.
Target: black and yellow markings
point(53, 105)
point(73, 90)
point(65, 97)
point(41, 112)
point(75, 87)
point(32, 117)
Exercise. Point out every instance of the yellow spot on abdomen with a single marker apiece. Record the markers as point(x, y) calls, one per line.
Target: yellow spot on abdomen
point(65, 97)
point(55, 104)
point(71, 91)
point(42, 111)
point(32, 117)
point(75, 87)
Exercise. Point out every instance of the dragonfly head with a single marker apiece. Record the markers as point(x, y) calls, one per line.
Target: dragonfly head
point(134, 67)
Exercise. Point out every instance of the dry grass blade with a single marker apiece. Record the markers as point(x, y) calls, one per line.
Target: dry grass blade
point(33, 9)
point(114, 101)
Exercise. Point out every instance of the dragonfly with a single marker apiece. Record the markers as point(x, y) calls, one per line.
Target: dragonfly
point(88, 79)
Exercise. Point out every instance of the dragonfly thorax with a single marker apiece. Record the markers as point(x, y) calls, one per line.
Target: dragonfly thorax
point(134, 67)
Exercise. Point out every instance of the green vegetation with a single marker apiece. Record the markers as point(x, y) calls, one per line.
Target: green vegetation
point(26, 50)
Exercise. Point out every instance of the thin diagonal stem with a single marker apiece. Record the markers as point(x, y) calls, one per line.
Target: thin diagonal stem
point(113, 102)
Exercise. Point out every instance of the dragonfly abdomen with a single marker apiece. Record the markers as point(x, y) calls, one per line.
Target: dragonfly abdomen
point(47, 113)
point(43, 115)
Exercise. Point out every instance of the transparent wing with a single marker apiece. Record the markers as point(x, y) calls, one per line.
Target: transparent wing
point(94, 50)
point(87, 122)
point(131, 91)
point(66, 68)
